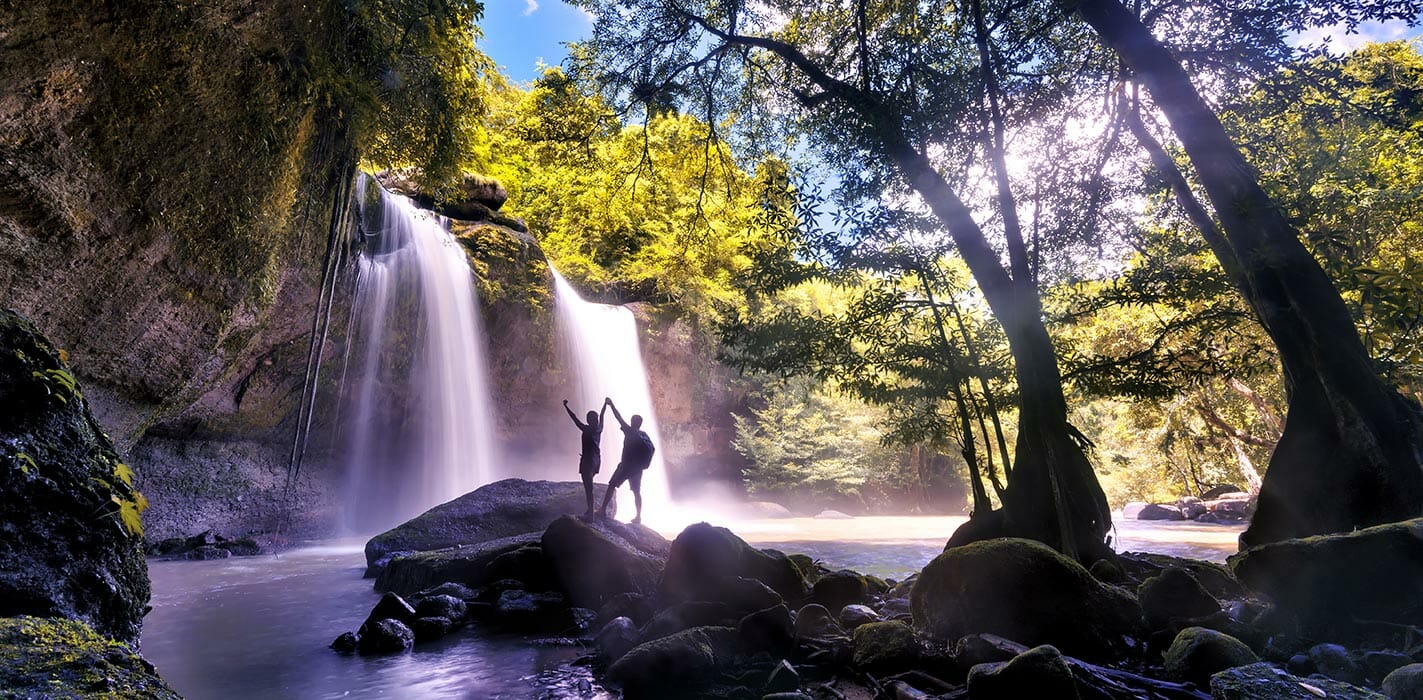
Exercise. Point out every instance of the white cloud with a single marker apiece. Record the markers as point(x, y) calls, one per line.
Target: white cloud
point(530, 6)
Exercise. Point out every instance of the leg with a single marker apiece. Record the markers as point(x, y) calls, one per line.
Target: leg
point(635, 482)
point(619, 475)
point(588, 491)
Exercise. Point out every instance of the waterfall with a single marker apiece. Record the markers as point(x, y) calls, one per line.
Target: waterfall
point(421, 428)
point(601, 347)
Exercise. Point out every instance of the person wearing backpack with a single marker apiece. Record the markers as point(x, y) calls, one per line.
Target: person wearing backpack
point(637, 456)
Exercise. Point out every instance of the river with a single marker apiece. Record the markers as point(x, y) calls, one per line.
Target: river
point(258, 627)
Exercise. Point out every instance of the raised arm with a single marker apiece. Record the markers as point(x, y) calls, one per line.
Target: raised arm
point(603, 417)
point(609, 404)
point(573, 415)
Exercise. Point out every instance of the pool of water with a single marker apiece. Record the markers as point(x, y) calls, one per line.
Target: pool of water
point(259, 627)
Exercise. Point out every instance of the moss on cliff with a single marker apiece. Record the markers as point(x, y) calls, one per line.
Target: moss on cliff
point(67, 659)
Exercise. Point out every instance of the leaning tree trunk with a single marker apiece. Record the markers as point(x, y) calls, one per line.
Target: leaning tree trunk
point(1350, 453)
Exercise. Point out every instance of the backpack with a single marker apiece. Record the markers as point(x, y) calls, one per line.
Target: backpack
point(643, 450)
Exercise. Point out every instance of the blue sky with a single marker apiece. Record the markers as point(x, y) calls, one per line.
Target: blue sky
point(520, 33)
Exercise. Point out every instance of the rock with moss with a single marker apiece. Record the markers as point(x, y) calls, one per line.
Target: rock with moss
point(594, 561)
point(468, 566)
point(837, 589)
point(1198, 653)
point(1334, 586)
point(69, 514)
point(675, 665)
point(1405, 683)
point(1174, 594)
point(884, 647)
point(702, 555)
point(1026, 592)
point(500, 509)
point(54, 658)
point(1263, 681)
point(1040, 672)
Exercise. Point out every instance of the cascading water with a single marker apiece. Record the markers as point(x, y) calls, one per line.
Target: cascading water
point(421, 428)
point(601, 346)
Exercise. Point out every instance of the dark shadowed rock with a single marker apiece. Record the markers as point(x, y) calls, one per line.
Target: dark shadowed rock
point(1378, 664)
point(1336, 662)
point(881, 647)
point(813, 622)
point(446, 606)
point(385, 637)
point(1024, 591)
point(206, 553)
point(837, 589)
point(771, 629)
point(1265, 682)
point(702, 555)
point(594, 561)
point(71, 544)
point(528, 564)
point(1041, 672)
point(616, 638)
point(744, 595)
point(636, 606)
point(345, 643)
point(428, 629)
point(531, 612)
point(467, 566)
point(1174, 594)
point(57, 658)
point(783, 679)
point(454, 590)
point(390, 607)
point(974, 649)
point(686, 615)
point(493, 511)
point(1198, 653)
point(1405, 683)
point(676, 664)
point(1160, 511)
point(1328, 583)
point(1217, 579)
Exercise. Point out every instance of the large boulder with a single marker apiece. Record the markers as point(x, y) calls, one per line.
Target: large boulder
point(1265, 682)
point(1041, 672)
point(55, 658)
point(1174, 594)
point(885, 646)
point(702, 555)
point(1329, 583)
point(837, 589)
point(675, 664)
point(1405, 683)
point(468, 566)
point(493, 511)
point(595, 561)
point(1198, 653)
point(71, 542)
point(1024, 591)
point(1160, 511)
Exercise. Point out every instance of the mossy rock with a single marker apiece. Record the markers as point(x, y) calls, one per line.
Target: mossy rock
point(675, 664)
point(702, 555)
point(56, 658)
point(885, 646)
point(1198, 653)
point(1040, 672)
point(1024, 591)
point(1265, 682)
point(69, 515)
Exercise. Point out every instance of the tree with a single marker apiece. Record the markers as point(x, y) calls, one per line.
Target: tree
point(1350, 453)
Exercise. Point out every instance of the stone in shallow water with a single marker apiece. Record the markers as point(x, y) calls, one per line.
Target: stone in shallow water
point(385, 637)
point(1265, 682)
point(616, 638)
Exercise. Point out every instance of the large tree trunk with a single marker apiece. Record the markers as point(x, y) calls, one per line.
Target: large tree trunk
point(1350, 454)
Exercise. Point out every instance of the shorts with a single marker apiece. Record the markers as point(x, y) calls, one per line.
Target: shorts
point(589, 464)
point(632, 475)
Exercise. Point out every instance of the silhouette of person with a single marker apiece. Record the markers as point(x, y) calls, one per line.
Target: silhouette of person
point(591, 457)
point(637, 456)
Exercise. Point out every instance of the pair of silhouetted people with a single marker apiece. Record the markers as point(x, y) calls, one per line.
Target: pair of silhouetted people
point(637, 456)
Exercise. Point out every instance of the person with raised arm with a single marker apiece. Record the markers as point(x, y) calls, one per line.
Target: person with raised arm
point(592, 456)
point(637, 456)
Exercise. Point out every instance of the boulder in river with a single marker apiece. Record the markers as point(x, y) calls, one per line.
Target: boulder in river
point(385, 637)
point(1198, 653)
point(73, 539)
point(616, 638)
point(676, 664)
point(594, 561)
point(1024, 591)
point(1328, 584)
point(1160, 511)
point(703, 554)
point(493, 511)
point(468, 566)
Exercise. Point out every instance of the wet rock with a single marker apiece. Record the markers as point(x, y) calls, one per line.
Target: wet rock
point(206, 553)
point(685, 615)
point(1160, 511)
point(70, 517)
point(242, 547)
point(454, 590)
point(616, 638)
point(1024, 591)
point(852, 616)
point(885, 646)
point(702, 555)
point(595, 561)
point(58, 658)
point(675, 664)
point(527, 564)
point(499, 510)
point(975, 649)
point(771, 629)
point(1215, 578)
point(1108, 571)
point(1174, 594)
point(1327, 583)
point(631, 605)
point(744, 595)
point(1335, 661)
point(467, 566)
point(1378, 664)
point(815, 622)
point(525, 611)
point(1405, 683)
point(345, 643)
point(1198, 653)
point(446, 606)
point(1265, 682)
point(390, 607)
point(806, 566)
point(430, 628)
point(837, 589)
point(1041, 672)
point(385, 637)
point(783, 678)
